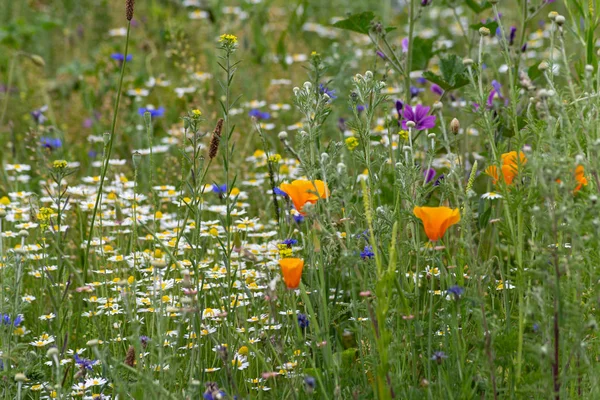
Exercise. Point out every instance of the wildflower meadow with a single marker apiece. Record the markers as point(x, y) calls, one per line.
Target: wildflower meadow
point(298, 199)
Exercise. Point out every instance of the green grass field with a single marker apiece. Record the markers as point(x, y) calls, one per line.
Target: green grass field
point(268, 199)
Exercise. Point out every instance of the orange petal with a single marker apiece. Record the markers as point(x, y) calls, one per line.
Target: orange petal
point(291, 269)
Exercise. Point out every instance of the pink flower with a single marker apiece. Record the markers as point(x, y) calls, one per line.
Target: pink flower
point(418, 115)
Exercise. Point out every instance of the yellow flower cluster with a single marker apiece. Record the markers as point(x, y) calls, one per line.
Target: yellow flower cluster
point(351, 143)
point(228, 38)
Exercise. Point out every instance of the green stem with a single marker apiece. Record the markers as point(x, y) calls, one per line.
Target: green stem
point(106, 157)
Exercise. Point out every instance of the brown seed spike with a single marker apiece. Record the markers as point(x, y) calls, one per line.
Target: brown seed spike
point(130, 358)
point(215, 140)
point(129, 9)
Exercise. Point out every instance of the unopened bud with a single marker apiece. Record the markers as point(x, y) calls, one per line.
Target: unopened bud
point(483, 31)
point(136, 157)
point(455, 126)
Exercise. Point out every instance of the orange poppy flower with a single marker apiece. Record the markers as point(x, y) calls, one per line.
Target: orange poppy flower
point(291, 269)
point(303, 191)
point(437, 220)
point(580, 178)
point(509, 168)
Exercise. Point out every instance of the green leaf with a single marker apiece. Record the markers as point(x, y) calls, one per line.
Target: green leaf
point(422, 53)
point(360, 23)
point(476, 6)
point(484, 218)
point(491, 25)
point(454, 73)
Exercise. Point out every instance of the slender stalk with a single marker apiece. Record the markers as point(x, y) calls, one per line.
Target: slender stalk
point(106, 157)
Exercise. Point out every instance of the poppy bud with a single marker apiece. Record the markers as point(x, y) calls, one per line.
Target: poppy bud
point(454, 126)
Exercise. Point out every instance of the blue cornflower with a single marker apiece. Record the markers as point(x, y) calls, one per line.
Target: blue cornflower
point(154, 112)
point(219, 189)
point(439, 356)
point(329, 92)
point(121, 57)
point(303, 321)
point(299, 218)
point(414, 91)
point(367, 252)
point(256, 113)
point(6, 319)
point(456, 290)
point(280, 192)
point(310, 383)
point(38, 115)
point(50, 143)
point(144, 340)
point(84, 363)
point(289, 242)
point(18, 319)
point(361, 107)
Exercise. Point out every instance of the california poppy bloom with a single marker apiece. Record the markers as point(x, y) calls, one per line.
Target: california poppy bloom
point(291, 269)
point(437, 220)
point(580, 178)
point(303, 191)
point(509, 168)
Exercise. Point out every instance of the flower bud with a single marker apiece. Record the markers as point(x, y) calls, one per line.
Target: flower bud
point(283, 135)
point(468, 62)
point(20, 377)
point(560, 20)
point(483, 31)
point(455, 126)
point(136, 157)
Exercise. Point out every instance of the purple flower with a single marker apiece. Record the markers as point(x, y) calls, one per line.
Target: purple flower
point(418, 115)
point(367, 253)
point(511, 36)
point(405, 45)
point(38, 115)
point(414, 91)
point(439, 356)
point(399, 107)
point(84, 363)
point(380, 54)
point(495, 92)
point(437, 90)
point(329, 92)
point(456, 290)
point(298, 218)
point(429, 174)
point(303, 321)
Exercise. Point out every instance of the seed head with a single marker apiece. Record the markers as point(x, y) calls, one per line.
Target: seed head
point(129, 9)
point(215, 140)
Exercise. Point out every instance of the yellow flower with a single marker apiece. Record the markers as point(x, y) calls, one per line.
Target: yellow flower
point(59, 164)
point(275, 158)
point(197, 112)
point(351, 143)
point(228, 38)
